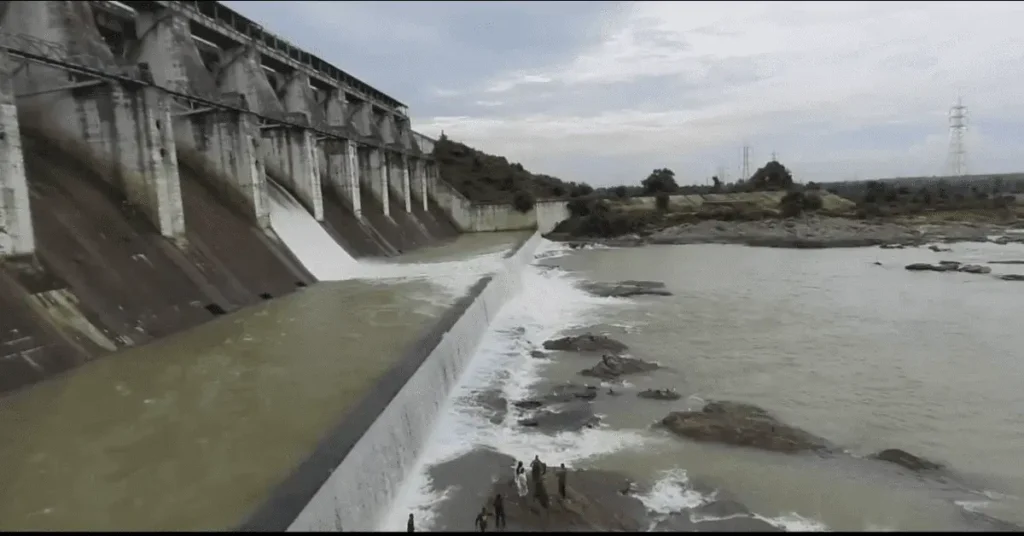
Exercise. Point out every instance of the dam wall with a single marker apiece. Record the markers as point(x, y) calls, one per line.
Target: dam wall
point(352, 478)
point(135, 149)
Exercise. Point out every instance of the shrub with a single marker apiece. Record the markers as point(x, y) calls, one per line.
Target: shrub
point(578, 208)
point(661, 201)
point(523, 201)
point(620, 192)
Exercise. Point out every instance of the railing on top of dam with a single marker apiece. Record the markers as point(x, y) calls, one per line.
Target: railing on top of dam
point(57, 55)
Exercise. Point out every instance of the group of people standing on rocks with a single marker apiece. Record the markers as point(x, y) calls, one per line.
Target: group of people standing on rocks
point(537, 471)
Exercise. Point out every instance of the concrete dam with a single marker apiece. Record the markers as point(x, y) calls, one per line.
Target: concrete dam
point(234, 289)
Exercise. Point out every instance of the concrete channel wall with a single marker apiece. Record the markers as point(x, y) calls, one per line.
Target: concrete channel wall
point(473, 217)
point(352, 478)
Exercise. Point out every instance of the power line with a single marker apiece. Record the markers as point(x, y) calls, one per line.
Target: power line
point(957, 156)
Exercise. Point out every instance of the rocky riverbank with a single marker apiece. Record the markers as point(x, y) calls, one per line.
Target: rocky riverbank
point(812, 232)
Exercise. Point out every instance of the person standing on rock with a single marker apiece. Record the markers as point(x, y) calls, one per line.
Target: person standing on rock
point(410, 526)
point(535, 468)
point(499, 512)
point(520, 480)
point(481, 519)
point(561, 474)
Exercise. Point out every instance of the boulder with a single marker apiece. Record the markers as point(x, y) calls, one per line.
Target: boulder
point(625, 289)
point(659, 394)
point(925, 267)
point(1011, 277)
point(938, 249)
point(906, 459)
point(974, 269)
point(571, 418)
point(611, 367)
point(588, 342)
point(744, 425)
point(1006, 262)
point(537, 354)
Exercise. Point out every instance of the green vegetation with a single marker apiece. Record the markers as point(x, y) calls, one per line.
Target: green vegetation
point(486, 178)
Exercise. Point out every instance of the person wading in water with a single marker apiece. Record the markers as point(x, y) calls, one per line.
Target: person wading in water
point(481, 519)
point(499, 512)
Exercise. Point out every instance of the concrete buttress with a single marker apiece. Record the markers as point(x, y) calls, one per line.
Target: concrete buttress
point(418, 183)
point(225, 140)
point(243, 73)
point(166, 44)
point(401, 169)
point(127, 125)
point(342, 169)
point(292, 154)
point(16, 234)
point(378, 178)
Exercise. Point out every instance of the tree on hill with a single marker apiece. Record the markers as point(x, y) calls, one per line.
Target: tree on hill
point(773, 176)
point(660, 180)
point(483, 177)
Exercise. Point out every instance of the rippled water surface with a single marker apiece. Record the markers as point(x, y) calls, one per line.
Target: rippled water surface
point(846, 344)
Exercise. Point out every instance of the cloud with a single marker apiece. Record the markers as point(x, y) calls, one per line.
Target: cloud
point(605, 92)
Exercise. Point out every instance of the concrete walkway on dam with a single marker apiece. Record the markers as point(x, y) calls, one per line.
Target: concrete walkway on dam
point(192, 432)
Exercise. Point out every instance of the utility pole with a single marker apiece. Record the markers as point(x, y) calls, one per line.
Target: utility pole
point(773, 157)
point(956, 158)
point(746, 163)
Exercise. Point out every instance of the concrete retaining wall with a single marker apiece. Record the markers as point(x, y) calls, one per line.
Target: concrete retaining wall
point(479, 217)
point(351, 480)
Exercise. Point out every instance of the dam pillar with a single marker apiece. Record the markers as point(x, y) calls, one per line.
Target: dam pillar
point(292, 150)
point(419, 182)
point(224, 139)
point(341, 154)
point(398, 177)
point(129, 127)
point(378, 178)
point(342, 171)
point(16, 234)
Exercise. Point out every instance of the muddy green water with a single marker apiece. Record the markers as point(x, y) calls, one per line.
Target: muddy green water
point(867, 356)
point(192, 432)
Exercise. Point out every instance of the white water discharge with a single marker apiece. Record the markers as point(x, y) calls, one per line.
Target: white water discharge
point(549, 304)
point(326, 260)
point(315, 249)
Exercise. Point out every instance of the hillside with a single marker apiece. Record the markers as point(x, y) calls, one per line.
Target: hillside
point(486, 178)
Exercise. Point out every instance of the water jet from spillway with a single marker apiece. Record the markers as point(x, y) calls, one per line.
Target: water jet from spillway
point(307, 239)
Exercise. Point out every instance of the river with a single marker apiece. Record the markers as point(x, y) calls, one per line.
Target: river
point(843, 343)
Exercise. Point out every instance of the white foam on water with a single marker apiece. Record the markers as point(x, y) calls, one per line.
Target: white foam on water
point(793, 522)
point(452, 277)
point(672, 493)
point(549, 303)
point(307, 240)
point(326, 260)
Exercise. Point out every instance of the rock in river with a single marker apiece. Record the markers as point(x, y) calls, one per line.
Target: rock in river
point(611, 367)
point(906, 459)
point(570, 418)
point(625, 289)
point(659, 394)
point(588, 342)
point(740, 424)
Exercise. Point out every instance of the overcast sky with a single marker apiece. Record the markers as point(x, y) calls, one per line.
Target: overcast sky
point(605, 92)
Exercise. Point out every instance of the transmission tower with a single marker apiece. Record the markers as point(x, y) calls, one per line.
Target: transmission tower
point(746, 162)
point(957, 157)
